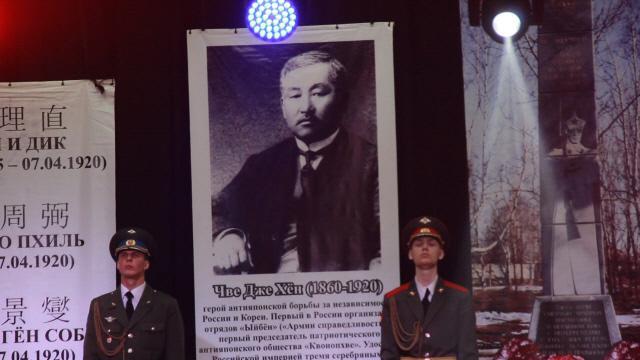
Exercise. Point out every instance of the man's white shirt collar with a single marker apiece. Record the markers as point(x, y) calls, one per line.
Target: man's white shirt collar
point(423, 289)
point(137, 294)
point(315, 147)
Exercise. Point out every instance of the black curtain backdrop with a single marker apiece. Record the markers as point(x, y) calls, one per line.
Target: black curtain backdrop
point(143, 45)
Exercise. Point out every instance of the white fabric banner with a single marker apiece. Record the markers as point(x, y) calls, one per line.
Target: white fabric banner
point(57, 212)
point(290, 284)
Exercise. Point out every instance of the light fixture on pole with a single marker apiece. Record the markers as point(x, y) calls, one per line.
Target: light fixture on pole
point(505, 19)
point(271, 20)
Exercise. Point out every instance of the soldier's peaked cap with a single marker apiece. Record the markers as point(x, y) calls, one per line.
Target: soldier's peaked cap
point(425, 226)
point(131, 238)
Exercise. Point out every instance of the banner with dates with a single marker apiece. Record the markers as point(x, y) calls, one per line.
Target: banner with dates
point(272, 281)
point(57, 212)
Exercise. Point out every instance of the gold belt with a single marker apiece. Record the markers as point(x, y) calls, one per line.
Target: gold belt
point(428, 358)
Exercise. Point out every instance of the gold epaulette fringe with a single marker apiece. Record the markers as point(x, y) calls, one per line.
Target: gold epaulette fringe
point(100, 331)
point(404, 338)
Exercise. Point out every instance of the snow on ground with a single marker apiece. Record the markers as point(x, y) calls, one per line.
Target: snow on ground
point(534, 288)
point(485, 318)
point(630, 319)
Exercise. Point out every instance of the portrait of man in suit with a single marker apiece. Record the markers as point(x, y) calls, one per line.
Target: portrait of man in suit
point(309, 202)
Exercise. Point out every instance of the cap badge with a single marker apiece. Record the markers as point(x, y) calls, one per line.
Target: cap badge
point(425, 220)
point(131, 242)
point(131, 231)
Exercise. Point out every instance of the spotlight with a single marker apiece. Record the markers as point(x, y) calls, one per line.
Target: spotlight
point(505, 19)
point(506, 24)
point(271, 20)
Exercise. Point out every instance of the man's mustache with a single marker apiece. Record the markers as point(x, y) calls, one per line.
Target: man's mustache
point(307, 118)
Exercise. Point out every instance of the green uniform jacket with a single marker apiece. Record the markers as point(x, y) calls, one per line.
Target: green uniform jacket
point(448, 328)
point(155, 332)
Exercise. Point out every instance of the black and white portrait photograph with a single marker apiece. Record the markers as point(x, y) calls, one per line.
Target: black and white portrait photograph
point(294, 166)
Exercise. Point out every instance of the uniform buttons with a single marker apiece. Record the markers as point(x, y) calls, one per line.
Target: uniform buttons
point(130, 335)
point(153, 328)
point(129, 350)
point(427, 335)
point(426, 354)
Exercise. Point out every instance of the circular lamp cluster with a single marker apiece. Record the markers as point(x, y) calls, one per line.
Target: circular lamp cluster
point(271, 20)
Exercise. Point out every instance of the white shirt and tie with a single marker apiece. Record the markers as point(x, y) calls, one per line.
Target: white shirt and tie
point(422, 290)
point(136, 292)
point(314, 147)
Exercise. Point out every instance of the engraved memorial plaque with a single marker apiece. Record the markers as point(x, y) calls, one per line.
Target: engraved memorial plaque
point(566, 63)
point(578, 325)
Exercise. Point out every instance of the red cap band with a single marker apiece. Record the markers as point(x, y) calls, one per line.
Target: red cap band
point(426, 231)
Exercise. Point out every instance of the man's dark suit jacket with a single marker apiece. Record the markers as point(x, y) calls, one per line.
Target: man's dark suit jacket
point(344, 229)
point(155, 331)
point(448, 328)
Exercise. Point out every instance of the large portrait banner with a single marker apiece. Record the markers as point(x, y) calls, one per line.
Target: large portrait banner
point(294, 191)
point(57, 210)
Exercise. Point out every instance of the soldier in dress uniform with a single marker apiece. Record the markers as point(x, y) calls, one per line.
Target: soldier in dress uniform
point(429, 317)
point(134, 321)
